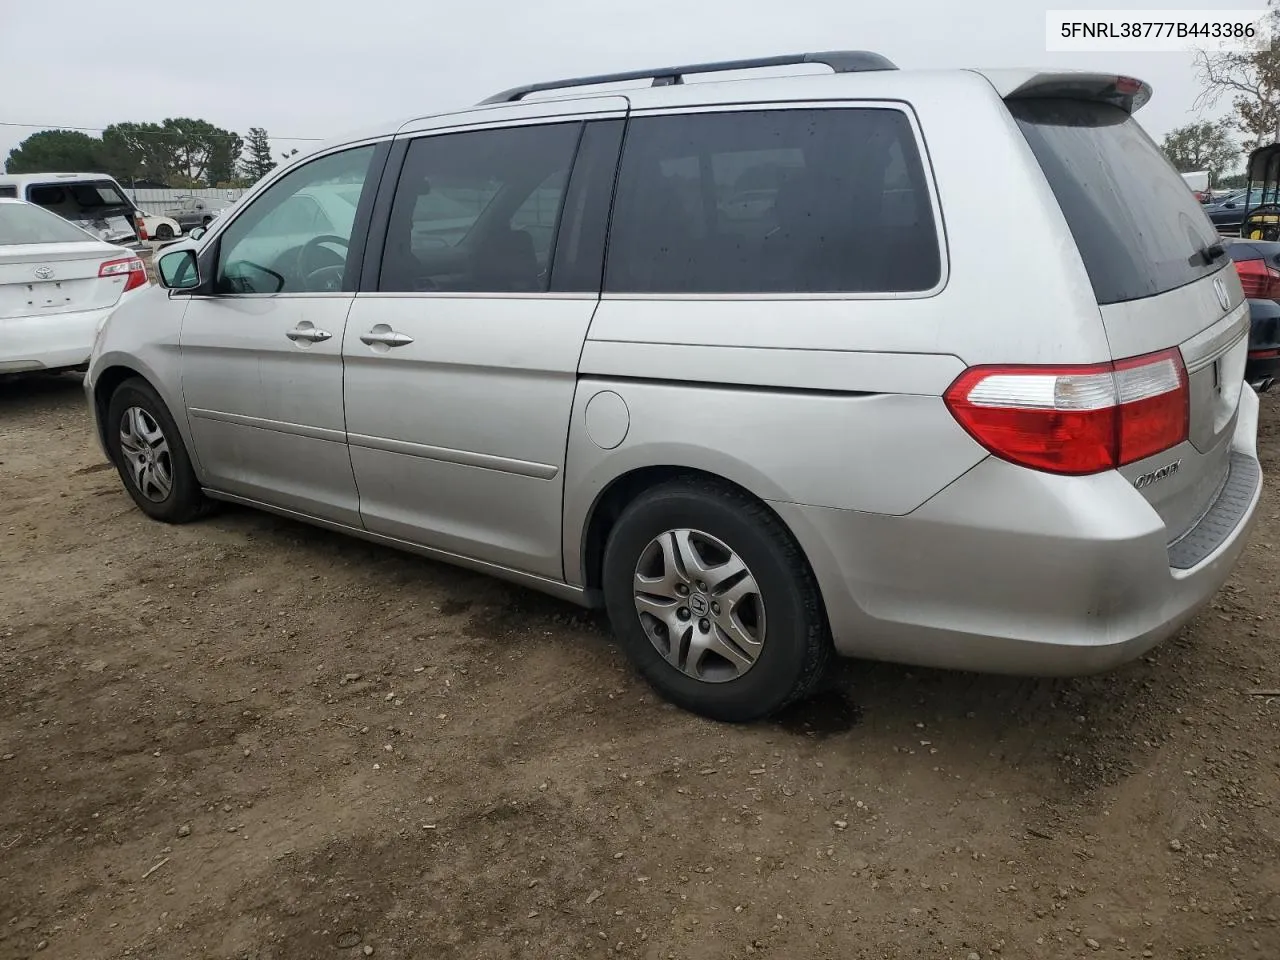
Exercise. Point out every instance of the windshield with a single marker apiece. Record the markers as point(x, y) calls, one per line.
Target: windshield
point(23, 223)
point(1139, 230)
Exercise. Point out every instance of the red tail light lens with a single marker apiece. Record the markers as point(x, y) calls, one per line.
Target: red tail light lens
point(142, 227)
point(1075, 419)
point(1260, 281)
point(133, 269)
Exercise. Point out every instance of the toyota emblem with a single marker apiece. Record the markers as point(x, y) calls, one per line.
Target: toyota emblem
point(43, 272)
point(1220, 289)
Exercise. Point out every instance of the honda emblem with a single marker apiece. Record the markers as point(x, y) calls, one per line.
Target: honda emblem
point(1220, 289)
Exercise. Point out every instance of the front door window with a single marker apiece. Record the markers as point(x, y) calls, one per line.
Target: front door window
point(295, 236)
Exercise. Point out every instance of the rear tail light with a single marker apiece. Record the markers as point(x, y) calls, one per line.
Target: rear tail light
point(1260, 280)
point(142, 227)
point(132, 268)
point(1075, 419)
point(1266, 353)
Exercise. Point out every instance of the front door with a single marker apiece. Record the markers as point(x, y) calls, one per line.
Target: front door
point(461, 364)
point(262, 356)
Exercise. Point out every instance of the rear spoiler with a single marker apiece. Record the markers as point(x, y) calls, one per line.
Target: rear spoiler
point(1127, 93)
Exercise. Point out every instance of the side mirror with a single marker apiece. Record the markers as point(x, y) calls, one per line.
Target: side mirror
point(178, 270)
point(195, 233)
point(1230, 205)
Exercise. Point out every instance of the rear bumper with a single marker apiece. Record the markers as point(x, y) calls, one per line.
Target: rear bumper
point(51, 341)
point(1012, 571)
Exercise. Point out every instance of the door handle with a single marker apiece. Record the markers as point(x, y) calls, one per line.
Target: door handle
point(386, 337)
point(305, 331)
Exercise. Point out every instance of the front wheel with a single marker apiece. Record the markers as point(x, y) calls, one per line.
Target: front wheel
point(713, 601)
point(148, 451)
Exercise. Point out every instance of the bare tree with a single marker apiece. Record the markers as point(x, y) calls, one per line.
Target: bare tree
point(1251, 80)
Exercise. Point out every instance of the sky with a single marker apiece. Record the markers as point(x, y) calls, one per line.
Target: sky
point(318, 68)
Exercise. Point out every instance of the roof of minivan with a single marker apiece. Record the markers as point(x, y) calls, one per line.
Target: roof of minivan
point(873, 85)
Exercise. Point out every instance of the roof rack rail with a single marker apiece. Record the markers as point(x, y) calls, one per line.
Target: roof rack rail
point(840, 61)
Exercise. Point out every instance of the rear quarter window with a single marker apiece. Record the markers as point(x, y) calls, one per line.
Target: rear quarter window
point(1138, 228)
point(773, 201)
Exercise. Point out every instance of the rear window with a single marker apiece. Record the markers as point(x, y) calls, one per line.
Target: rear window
point(23, 223)
point(87, 196)
point(773, 201)
point(1137, 226)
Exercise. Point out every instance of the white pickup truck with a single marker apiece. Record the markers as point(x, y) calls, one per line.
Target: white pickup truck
point(1198, 182)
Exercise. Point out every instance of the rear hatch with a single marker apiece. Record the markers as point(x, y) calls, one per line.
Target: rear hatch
point(97, 206)
point(40, 279)
point(1160, 277)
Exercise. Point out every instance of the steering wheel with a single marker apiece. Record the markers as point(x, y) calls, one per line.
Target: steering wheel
point(327, 277)
point(1263, 221)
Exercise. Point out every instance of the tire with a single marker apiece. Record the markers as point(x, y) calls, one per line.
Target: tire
point(206, 221)
point(164, 232)
point(164, 486)
point(715, 525)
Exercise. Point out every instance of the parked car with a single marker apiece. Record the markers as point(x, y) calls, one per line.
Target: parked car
point(1263, 366)
point(1227, 214)
point(1258, 264)
point(196, 211)
point(158, 227)
point(94, 201)
point(758, 435)
point(58, 284)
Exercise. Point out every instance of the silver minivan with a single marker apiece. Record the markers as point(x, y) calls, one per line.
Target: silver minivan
point(762, 366)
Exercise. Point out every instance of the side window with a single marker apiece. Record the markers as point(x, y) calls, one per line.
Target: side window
point(540, 213)
point(301, 213)
point(295, 237)
point(773, 201)
point(478, 211)
point(9, 192)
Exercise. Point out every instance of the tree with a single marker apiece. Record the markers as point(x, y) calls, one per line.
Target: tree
point(1252, 80)
point(202, 153)
point(1202, 146)
point(138, 151)
point(257, 163)
point(182, 152)
point(57, 151)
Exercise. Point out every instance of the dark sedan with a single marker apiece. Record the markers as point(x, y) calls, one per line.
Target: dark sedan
point(1258, 265)
point(1227, 214)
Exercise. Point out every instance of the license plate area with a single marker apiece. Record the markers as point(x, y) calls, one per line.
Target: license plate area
point(34, 299)
point(1215, 377)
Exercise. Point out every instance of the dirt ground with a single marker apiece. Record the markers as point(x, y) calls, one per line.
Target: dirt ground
point(247, 738)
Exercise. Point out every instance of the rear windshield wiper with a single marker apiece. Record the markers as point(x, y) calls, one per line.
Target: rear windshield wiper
point(1208, 253)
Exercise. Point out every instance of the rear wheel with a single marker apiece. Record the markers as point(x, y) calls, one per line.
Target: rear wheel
point(147, 449)
point(713, 602)
point(164, 232)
